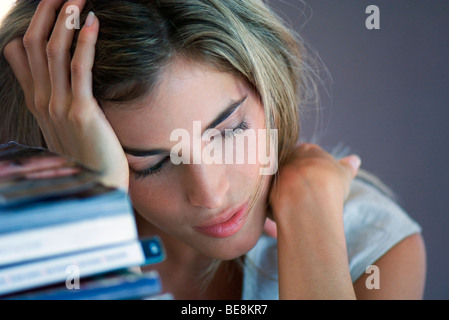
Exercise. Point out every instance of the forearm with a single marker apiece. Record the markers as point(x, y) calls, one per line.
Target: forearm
point(313, 262)
point(307, 205)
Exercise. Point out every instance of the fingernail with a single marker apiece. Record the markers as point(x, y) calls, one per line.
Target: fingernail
point(355, 162)
point(90, 19)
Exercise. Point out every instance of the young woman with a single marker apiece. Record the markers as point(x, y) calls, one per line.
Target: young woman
point(113, 93)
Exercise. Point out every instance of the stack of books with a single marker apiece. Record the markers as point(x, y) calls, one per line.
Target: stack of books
point(64, 235)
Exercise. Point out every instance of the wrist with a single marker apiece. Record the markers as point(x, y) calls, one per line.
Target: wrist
point(307, 215)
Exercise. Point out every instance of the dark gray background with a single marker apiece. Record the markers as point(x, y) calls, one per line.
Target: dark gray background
point(389, 103)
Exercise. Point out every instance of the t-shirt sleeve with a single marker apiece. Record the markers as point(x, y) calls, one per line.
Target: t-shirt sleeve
point(373, 224)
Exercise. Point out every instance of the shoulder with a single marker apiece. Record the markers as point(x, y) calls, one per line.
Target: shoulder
point(399, 274)
point(374, 223)
point(370, 206)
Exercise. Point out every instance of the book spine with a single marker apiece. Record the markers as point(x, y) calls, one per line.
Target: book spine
point(65, 268)
point(136, 287)
point(41, 214)
point(66, 237)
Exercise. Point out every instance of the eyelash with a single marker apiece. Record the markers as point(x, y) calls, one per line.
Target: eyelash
point(157, 169)
point(244, 125)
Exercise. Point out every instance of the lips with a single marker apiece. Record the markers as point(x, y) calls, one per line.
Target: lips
point(226, 224)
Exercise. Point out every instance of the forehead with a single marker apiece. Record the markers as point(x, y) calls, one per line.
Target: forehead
point(186, 92)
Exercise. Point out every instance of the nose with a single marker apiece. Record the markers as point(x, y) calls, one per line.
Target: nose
point(207, 185)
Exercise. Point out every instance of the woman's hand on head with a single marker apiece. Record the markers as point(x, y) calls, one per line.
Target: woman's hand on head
point(58, 90)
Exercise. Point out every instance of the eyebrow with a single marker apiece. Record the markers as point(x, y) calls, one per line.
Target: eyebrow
point(225, 114)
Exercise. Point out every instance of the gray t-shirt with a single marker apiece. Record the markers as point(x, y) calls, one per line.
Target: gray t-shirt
point(373, 224)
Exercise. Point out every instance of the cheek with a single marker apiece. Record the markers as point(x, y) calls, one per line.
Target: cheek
point(156, 202)
point(242, 176)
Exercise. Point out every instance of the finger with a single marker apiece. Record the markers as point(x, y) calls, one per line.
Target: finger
point(351, 164)
point(35, 42)
point(58, 53)
point(83, 59)
point(16, 56)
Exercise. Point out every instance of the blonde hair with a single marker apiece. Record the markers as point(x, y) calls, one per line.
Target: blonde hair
point(139, 38)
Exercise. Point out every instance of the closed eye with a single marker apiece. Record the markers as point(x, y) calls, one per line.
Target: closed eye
point(156, 169)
